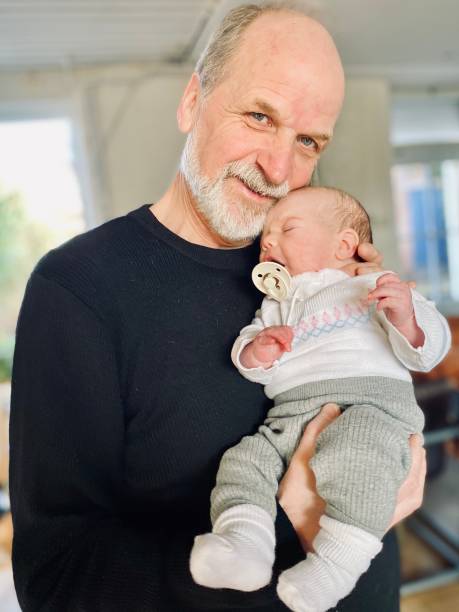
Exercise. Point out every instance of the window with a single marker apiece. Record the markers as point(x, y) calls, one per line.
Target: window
point(425, 180)
point(40, 207)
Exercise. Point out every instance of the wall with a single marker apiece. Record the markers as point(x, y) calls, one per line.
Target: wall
point(359, 158)
point(138, 143)
point(126, 138)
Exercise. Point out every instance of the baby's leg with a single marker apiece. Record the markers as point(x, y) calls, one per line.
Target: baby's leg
point(239, 553)
point(360, 462)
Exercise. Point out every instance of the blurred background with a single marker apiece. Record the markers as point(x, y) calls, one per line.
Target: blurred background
point(88, 94)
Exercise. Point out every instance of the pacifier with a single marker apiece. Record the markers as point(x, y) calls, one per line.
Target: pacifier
point(272, 278)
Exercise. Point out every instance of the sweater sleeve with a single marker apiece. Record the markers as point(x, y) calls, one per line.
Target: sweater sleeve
point(437, 335)
point(269, 314)
point(76, 547)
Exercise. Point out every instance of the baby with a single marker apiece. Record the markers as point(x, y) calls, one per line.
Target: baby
point(334, 338)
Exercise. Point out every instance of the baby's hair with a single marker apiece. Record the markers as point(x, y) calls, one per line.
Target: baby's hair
point(349, 212)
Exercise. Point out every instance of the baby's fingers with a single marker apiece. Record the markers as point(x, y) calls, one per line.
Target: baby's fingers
point(282, 334)
point(265, 339)
point(388, 303)
point(389, 290)
point(390, 277)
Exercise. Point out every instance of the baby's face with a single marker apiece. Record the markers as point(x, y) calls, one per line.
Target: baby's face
point(296, 236)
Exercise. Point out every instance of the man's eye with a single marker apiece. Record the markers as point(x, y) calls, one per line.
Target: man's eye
point(260, 117)
point(290, 228)
point(308, 142)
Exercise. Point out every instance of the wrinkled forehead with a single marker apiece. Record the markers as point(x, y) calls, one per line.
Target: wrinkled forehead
point(295, 57)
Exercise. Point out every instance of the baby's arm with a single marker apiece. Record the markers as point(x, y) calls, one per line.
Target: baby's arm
point(267, 346)
point(395, 300)
point(418, 333)
point(254, 351)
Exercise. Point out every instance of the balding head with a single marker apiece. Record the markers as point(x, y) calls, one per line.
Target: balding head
point(269, 28)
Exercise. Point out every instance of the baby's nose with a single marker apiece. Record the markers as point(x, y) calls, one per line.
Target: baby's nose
point(267, 242)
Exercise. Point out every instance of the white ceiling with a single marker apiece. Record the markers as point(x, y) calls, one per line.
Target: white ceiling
point(413, 41)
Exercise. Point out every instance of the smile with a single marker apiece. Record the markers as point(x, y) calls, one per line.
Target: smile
point(251, 193)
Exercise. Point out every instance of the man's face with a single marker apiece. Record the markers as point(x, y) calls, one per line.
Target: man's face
point(297, 235)
point(226, 212)
point(270, 118)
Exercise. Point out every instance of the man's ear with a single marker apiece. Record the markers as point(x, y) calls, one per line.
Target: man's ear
point(187, 109)
point(348, 241)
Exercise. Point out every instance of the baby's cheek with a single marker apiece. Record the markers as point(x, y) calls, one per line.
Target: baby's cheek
point(308, 260)
point(299, 258)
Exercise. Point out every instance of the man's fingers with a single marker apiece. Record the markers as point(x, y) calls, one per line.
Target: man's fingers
point(327, 415)
point(411, 492)
point(367, 268)
point(418, 454)
point(359, 268)
point(369, 253)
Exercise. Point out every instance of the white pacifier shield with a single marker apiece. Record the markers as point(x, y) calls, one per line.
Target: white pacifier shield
point(273, 279)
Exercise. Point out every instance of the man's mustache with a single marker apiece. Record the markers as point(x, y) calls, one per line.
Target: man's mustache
point(254, 178)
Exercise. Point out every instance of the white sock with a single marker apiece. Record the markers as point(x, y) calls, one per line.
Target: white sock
point(342, 554)
point(239, 553)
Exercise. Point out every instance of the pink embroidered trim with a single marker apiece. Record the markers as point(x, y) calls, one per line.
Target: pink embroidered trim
point(331, 319)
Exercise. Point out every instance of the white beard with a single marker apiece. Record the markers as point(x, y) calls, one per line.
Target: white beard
point(227, 215)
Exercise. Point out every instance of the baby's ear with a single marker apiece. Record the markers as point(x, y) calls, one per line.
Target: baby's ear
point(348, 241)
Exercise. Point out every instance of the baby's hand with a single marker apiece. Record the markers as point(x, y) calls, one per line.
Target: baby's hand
point(394, 298)
point(267, 346)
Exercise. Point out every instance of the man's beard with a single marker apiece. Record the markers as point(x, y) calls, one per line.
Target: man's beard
point(228, 215)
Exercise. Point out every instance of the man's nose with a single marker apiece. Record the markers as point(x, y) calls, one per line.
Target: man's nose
point(276, 163)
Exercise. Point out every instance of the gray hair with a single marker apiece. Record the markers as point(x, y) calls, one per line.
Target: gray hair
point(222, 46)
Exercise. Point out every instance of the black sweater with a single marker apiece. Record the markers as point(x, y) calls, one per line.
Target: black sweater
point(124, 399)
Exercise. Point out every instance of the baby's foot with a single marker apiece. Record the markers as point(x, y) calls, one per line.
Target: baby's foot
point(238, 554)
point(342, 554)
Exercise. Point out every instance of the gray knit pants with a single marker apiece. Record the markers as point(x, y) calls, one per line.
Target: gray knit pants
point(361, 459)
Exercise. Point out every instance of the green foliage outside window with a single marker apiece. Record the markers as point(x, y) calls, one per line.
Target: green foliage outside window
point(22, 242)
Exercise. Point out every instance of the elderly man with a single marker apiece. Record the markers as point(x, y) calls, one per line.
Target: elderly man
point(124, 396)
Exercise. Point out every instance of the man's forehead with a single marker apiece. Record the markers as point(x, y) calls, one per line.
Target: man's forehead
point(293, 93)
point(299, 62)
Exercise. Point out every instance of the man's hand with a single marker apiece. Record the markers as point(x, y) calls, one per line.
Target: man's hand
point(297, 490)
point(371, 261)
point(267, 346)
point(411, 492)
point(394, 298)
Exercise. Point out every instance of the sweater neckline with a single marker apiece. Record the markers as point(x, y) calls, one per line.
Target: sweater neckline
point(323, 277)
point(236, 259)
